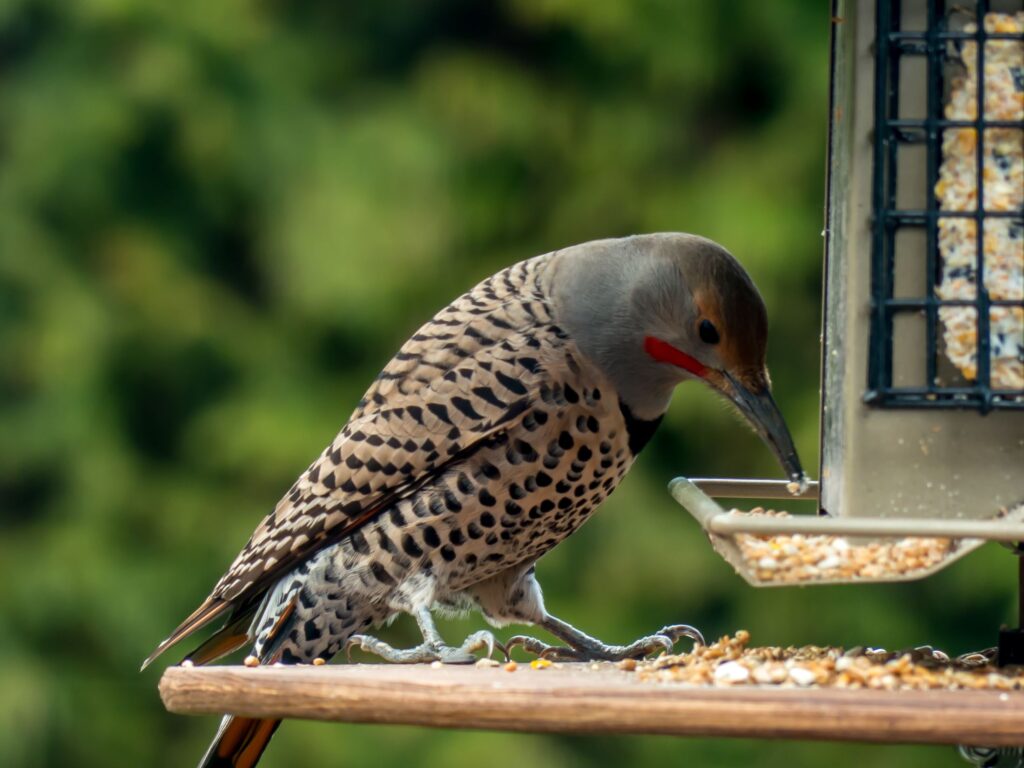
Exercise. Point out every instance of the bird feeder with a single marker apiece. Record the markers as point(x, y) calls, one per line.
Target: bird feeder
point(922, 406)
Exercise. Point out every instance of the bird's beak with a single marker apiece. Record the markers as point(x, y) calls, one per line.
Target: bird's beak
point(760, 410)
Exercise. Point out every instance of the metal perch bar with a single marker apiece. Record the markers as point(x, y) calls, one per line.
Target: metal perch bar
point(746, 488)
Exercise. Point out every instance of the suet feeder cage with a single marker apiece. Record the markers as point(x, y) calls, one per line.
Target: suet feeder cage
point(922, 406)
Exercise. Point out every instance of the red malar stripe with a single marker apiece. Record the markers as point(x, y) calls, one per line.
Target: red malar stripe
point(664, 352)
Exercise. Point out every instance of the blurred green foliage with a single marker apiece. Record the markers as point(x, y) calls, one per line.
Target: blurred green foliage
point(219, 220)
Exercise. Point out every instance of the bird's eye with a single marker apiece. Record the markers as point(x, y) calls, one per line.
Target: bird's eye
point(708, 332)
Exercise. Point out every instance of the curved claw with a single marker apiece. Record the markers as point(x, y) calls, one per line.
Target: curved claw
point(675, 632)
point(353, 642)
point(561, 653)
point(541, 649)
point(528, 644)
point(645, 646)
point(482, 640)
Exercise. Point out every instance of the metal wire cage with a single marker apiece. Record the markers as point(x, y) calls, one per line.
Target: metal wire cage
point(922, 304)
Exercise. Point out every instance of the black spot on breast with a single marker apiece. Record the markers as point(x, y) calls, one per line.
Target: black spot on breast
point(430, 537)
point(525, 450)
point(311, 630)
point(410, 546)
point(380, 573)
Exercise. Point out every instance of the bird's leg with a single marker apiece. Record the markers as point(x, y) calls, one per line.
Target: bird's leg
point(515, 596)
point(432, 648)
point(582, 647)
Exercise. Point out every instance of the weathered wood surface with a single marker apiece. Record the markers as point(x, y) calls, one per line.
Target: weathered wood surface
point(571, 698)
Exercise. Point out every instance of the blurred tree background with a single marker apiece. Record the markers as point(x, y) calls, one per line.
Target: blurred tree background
point(219, 220)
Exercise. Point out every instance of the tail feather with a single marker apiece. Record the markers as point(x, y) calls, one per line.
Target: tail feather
point(203, 615)
point(239, 742)
point(229, 638)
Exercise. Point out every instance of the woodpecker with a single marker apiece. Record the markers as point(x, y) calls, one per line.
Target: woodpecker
point(495, 432)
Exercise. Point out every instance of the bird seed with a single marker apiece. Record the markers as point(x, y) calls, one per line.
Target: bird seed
point(793, 558)
point(730, 661)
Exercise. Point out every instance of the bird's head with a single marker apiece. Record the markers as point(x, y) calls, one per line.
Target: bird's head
point(655, 310)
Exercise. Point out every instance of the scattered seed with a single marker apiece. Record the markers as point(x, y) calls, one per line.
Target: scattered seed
point(729, 661)
point(318, 662)
point(802, 676)
point(540, 664)
point(485, 662)
point(510, 666)
point(731, 672)
point(251, 661)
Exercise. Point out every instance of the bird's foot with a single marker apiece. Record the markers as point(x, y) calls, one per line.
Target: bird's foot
point(426, 651)
point(585, 648)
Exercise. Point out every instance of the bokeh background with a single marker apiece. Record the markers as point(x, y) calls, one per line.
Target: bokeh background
point(219, 220)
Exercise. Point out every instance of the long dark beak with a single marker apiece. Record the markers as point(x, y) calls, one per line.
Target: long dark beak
point(763, 414)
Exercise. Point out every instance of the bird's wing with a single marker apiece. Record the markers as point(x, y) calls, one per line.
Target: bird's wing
point(447, 392)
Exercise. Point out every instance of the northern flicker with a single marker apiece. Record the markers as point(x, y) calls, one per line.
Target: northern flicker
point(494, 433)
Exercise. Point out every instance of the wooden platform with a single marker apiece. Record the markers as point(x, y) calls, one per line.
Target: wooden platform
point(573, 698)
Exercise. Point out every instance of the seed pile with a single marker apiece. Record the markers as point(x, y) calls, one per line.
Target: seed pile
point(730, 661)
point(1003, 190)
point(792, 558)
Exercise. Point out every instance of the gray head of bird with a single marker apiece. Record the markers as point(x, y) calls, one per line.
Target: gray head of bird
point(653, 311)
